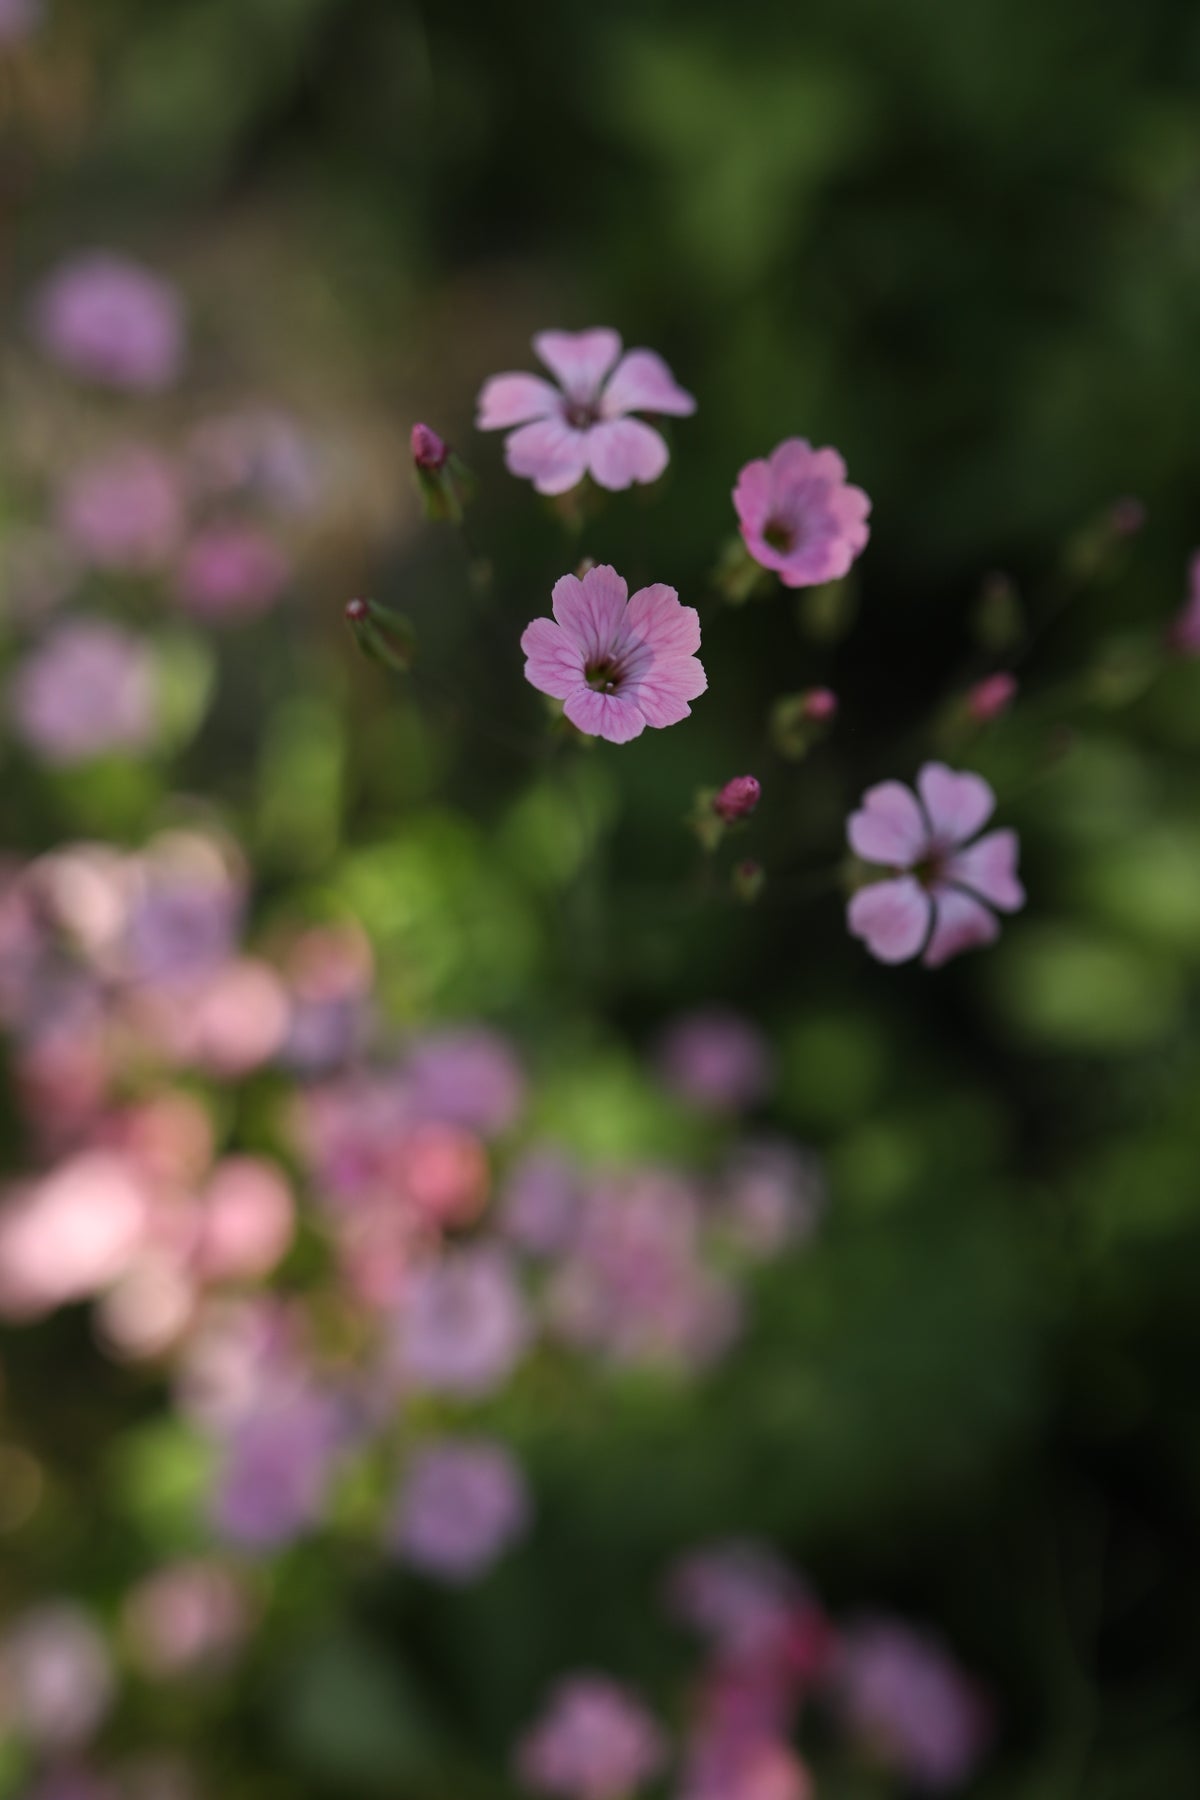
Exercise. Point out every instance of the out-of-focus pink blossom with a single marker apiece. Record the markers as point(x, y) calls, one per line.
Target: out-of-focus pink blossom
point(463, 1502)
point(772, 1194)
point(185, 1617)
point(87, 688)
point(720, 1767)
point(111, 321)
point(259, 454)
point(329, 972)
point(799, 515)
point(737, 799)
point(467, 1077)
point(909, 1704)
point(820, 705)
point(583, 426)
point(595, 1741)
point(231, 572)
point(56, 1680)
point(539, 1209)
point(446, 1174)
point(739, 1595)
point(944, 886)
point(184, 907)
point(1183, 634)
point(69, 1234)
point(715, 1058)
point(991, 696)
point(278, 1465)
point(228, 1023)
point(245, 1356)
point(617, 664)
point(462, 1327)
point(248, 1219)
point(147, 1310)
point(19, 19)
point(124, 511)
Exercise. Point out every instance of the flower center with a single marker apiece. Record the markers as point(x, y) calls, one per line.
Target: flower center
point(603, 674)
point(780, 536)
point(930, 871)
point(580, 414)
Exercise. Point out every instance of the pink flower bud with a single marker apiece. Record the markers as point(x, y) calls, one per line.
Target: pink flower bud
point(991, 696)
point(737, 799)
point(820, 704)
point(429, 451)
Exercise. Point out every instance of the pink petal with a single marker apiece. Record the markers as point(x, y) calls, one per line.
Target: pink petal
point(796, 460)
point(663, 696)
point(507, 400)
point(752, 495)
point(579, 359)
point(554, 663)
point(889, 826)
point(989, 868)
point(549, 453)
point(656, 616)
point(609, 716)
point(891, 917)
point(624, 450)
point(592, 611)
point(642, 382)
point(960, 923)
point(957, 804)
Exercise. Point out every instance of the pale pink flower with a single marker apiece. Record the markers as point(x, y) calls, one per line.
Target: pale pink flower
point(462, 1503)
point(186, 1616)
point(799, 515)
point(258, 453)
point(772, 1194)
point(715, 1058)
point(111, 321)
point(232, 572)
point(738, 1594)
point(463, 1327)
point(123, 511)
point(744, 1768)
point(248, 1220)
point(87, 688)
point(909, 1704)
point(582, 426)
point(595, 1741)
point(70, 1233)
point(618, 664)
point(56, 1679)
point(943, 888)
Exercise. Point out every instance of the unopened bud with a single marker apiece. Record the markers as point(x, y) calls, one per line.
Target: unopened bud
point(386, 637)
point(748, 881)
point(798, 721)
point(820, 705)
point(429, 451)
point(991, 697)
point(737, 799)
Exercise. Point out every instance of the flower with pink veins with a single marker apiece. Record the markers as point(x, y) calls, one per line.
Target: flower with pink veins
point(799, 516)
point(583, 425)
point(945, 880)
point(617, 664)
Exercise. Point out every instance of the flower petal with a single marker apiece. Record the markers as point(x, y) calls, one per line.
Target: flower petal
point(889, 827)
point(506, 400)
point(579, 359)
point(957, 805)
point(891, 918)
point(656, 616)
point(960, 923)
point(592, 611)
point(663, 694)
point(642, 382)
point(621, 451)
point(989, 868)
point(549, 453)
point(752, 495)
point(554, 663)
point(609, 716)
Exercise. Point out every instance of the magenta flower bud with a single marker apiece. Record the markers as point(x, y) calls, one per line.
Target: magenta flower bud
point(820, 705)
point(386, 637)
point(429, 451)
point(991, 696)
point(737, 799)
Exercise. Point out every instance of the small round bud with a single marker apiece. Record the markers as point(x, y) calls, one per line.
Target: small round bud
point(737, 799)
point(991, 696)
point(820, 705)
point(429, 451)
point(357, 612)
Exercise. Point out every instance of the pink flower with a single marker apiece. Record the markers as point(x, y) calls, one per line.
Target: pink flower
point(70, 1233)
point(19, 19)
point(943, 886)
point(738, 1594)
point(715, 1058)
point(186, 1616)
point(56, 1678)
point(617, 664)
point(582, 426)
point(541, 1201)
point(799, 516)
point(737, 799)
point(124, 511)
point(89, 687)
point(463, 1325)
point(462, 1504)
point(991, 697)
point(909, 1704)
point(279, 1464)
point(232, 572)
point(429, 451)
point(111, 321)
point(594, 1742)
point(1183, 634)
point(468, 1076)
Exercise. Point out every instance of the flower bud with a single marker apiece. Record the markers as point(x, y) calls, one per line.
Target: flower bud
point(991, 697)
point(737, 799)
point(748, 880)
point(386, 637)
point(429, 451)
point(798, 721)
point(444, 480)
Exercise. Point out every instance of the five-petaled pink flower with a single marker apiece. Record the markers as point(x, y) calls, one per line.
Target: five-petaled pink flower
point(617, 664)
point(582, 426)
point(799, 515)
point(944, 886)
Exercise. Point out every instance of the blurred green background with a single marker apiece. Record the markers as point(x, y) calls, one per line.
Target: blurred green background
point(961, 243)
